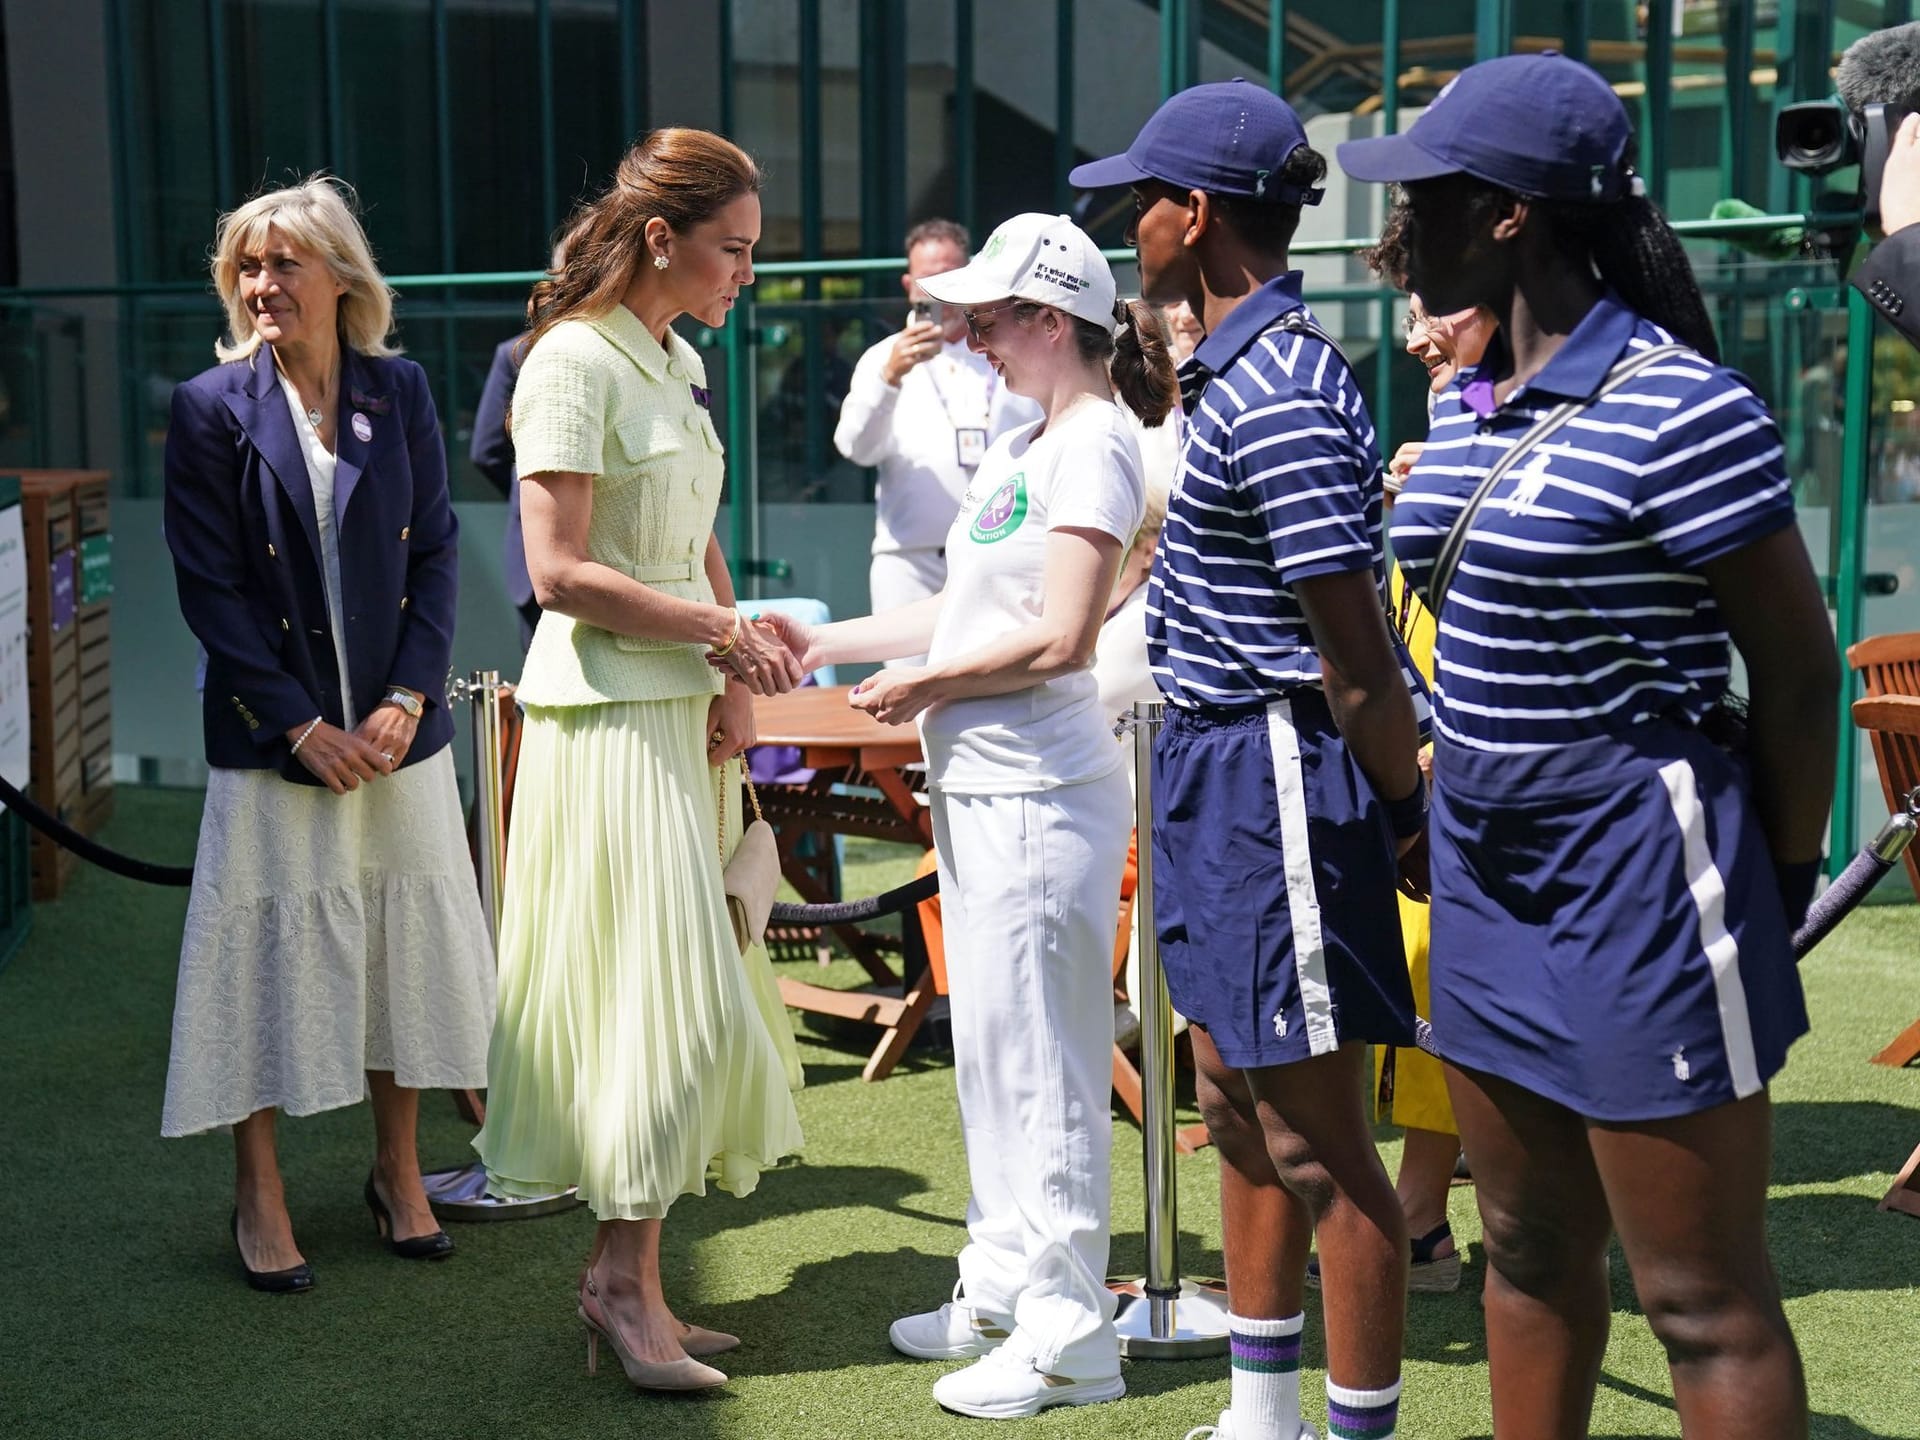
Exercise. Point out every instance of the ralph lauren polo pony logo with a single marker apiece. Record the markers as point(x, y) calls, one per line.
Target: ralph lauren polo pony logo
point(702, 398)
point(372, 404)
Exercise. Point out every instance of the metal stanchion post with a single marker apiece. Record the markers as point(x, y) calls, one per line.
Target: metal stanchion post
point(1161, 1316)
point(460, 1193)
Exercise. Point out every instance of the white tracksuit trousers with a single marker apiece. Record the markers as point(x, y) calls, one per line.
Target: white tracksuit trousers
point(1030, 895)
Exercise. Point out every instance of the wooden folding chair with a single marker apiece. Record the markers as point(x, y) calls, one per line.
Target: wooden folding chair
point(1889, 667)
point(1890, 714)
point(923, 962)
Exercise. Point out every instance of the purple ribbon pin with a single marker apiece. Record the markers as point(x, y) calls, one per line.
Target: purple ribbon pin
point(372, 404)
point(702, 398)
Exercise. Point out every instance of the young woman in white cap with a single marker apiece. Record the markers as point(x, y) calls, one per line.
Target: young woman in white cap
point(1030, 809)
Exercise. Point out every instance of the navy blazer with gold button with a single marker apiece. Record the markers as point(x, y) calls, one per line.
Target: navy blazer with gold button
point(241, 524)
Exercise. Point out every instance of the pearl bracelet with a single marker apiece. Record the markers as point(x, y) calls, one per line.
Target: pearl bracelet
point(312, 725)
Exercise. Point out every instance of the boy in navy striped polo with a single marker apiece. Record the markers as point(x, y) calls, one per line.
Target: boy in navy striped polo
point(1614, 893)
point(1290, 719)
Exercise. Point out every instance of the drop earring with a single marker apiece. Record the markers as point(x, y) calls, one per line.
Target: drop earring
point(659, 262)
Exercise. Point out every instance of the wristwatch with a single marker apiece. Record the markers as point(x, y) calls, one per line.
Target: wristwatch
point(404, 699)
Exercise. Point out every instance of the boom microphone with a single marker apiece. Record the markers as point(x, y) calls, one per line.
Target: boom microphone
point(1881, 69)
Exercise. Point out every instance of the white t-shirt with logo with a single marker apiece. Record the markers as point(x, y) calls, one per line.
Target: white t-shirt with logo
point(1083, 473)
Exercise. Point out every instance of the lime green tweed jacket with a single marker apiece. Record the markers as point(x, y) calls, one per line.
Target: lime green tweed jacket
point(601, 397)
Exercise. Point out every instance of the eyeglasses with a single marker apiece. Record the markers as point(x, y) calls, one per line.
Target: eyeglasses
point(973, 317)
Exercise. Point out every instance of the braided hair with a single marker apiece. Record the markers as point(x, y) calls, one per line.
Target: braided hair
point(1630, 245)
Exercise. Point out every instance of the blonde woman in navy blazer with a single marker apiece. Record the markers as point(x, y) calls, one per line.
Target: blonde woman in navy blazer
point(335, 947)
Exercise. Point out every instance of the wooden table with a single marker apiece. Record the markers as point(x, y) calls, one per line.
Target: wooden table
point(849, 751)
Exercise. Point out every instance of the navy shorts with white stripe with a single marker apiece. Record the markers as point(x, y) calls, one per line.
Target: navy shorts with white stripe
point(1274, 880)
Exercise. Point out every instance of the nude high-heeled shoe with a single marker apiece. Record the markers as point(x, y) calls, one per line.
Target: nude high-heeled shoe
point(696, 1340)
point(701, 1342)
point(683, 1374)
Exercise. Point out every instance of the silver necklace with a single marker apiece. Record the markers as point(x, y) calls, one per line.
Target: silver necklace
point(313, 417)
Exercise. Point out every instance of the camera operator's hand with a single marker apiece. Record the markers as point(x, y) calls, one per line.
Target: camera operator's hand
point(1900, 183)
point(915, 345)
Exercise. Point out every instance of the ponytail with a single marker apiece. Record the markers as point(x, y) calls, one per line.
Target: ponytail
point(1637, 253)
point(1138, 361)
point(1142, 366)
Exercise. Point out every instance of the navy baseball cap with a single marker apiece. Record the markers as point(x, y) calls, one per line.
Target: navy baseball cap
point(1228, 138)
point(1540, 125)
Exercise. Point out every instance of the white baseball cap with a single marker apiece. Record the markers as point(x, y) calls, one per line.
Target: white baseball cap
point(1043, 258)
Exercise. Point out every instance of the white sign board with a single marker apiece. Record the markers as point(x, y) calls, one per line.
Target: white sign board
point(16, 756)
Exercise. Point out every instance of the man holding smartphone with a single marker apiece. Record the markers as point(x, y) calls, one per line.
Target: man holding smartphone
point(922, 408)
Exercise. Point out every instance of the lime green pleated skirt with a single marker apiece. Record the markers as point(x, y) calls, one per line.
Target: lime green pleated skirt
point(636, 1052)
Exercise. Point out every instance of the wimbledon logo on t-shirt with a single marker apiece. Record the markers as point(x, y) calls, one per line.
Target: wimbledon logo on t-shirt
point(1002, 513)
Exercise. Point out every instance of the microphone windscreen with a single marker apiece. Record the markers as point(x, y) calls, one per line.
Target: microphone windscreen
point(1881, 69)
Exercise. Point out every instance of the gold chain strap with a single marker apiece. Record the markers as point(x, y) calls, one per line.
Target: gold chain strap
point(753, 796)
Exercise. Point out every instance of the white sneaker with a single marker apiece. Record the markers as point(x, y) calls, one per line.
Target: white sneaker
point(1007, 1385)
point(953, 1332)
point(1224, 1430)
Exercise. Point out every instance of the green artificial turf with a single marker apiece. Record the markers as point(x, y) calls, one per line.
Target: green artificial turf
point(122, 1310)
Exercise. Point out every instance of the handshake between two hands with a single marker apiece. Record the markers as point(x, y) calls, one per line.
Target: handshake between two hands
point(773, 652)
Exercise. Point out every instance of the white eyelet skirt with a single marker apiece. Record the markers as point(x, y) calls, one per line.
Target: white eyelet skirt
point(328, 935)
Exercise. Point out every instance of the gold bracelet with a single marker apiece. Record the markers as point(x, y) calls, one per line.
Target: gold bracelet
point(732, 640)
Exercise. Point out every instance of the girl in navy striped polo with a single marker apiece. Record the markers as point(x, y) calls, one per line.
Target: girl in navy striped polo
point(1613, 892)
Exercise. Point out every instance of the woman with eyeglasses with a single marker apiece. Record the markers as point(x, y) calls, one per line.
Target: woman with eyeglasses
point(1410, 1087)
point(1031, 811)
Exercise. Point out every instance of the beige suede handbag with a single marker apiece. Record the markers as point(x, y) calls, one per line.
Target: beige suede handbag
point(752, 873)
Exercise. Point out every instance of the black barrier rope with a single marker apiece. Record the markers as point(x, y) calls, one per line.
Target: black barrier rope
point(888, 902)
point(93, 852)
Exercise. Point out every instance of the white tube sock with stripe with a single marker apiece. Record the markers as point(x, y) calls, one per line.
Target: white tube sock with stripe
point(1266, 1377)
point(1362, 1414)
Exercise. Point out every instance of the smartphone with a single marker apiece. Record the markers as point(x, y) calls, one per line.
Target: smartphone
point(924, 312)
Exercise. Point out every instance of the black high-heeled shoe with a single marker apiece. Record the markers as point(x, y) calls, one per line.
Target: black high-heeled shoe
point(274, 1282)
point(436, 1246)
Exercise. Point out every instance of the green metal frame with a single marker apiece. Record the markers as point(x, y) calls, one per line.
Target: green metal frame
point(963, 116)
point(1806, 30)
point(1492, 28)
point(1656, 149)
point(1063, 153)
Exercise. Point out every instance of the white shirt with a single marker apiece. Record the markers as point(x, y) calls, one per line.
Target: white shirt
point(1120, 669)
point(1082, 473)
point(910, 430)
point(321, 464)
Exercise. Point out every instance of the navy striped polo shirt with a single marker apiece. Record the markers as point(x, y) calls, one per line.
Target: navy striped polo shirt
point(1279, 481)
point(1579, 608)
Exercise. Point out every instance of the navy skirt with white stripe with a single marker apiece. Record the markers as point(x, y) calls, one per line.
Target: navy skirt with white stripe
point(1607, 931)
point(1274, 884)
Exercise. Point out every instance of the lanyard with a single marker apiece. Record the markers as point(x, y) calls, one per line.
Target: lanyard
point(940, 394)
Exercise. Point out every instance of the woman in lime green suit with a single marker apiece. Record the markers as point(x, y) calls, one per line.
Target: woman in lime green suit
point(637, 1054)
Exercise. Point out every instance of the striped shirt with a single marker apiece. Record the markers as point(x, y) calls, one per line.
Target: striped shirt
point(1579, 607)
point(1279, 482)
